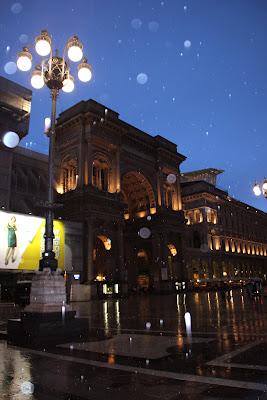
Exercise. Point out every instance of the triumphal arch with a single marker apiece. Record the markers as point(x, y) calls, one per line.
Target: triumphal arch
point(124, 186)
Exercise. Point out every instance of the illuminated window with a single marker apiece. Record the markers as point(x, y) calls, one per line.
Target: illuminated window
point(211, 216)
point(198, 216)
point(106, 241)
point(189, 215)
point(142, 254)
point(172, 249)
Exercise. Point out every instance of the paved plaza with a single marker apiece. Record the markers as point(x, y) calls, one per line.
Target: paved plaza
point(188, 346)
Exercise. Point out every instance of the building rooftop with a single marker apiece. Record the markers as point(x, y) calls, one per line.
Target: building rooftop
point(208, 175)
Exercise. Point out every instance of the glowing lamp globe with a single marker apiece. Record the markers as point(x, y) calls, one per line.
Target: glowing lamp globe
point(10, 139)
point(75, 49)
point(264, 185)
point(84, 72)
point(47, 124)
point(257, 189)
point(68, 84)
point(37, 80)
point(24, 61)
point(43, 44)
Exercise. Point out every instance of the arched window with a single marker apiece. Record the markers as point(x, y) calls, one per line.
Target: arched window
point(69, 178)
point(100, 174)
point(68, 175)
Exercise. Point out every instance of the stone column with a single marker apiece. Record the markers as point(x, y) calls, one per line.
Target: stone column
point(120, 247)
point(118, 172)
point(89, 156)
point(156, 248)
point(80, 182)
point(90, 246)
point(178, 191)
point(160, 192)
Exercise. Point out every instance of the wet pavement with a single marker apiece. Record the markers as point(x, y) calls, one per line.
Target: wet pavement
point(186, 346)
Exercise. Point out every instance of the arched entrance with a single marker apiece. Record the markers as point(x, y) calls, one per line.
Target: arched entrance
point(138, 194)
point(102, 258)
point(172, 260)
point(143, 272)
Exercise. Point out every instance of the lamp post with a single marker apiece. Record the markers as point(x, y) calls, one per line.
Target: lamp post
point(260, 188)
point(54, 72)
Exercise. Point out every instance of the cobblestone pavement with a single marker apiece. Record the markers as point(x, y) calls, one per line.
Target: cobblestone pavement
point(186, 346)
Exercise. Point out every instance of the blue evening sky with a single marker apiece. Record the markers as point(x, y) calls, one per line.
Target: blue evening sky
point(203, 65)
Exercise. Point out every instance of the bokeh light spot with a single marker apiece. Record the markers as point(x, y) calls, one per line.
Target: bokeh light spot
point(10, 139)
point(136, 23)
point(10, 68)
point(23, 38)
point(142, 78)
point(187, 44)
point(16, 8)
point(27, 388)
point(153, 26)
point(171, 178)
point(144, 233)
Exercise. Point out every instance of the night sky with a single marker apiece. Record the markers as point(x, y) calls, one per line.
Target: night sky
point(203, 69)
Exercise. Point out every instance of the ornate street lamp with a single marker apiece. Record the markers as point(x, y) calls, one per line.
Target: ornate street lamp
point(260, 188)
point(54, 72)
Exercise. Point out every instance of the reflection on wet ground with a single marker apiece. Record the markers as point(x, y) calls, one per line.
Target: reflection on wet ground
point(193, 345)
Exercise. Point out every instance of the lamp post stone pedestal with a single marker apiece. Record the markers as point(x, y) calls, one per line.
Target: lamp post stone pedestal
point(47, 319)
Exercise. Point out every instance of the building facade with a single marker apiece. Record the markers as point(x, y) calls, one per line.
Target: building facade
point(225, 238)
point(113, 178)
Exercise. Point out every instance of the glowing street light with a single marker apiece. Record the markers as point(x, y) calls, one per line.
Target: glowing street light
point(84, 71)
point(37, 80)
point(54, 72)
point(43, 44)
point(68, 84)
point(75, 49)
point(259, 189)
point(24, 61)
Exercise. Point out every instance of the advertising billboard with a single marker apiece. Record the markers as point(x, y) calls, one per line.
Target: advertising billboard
point(22, 241)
